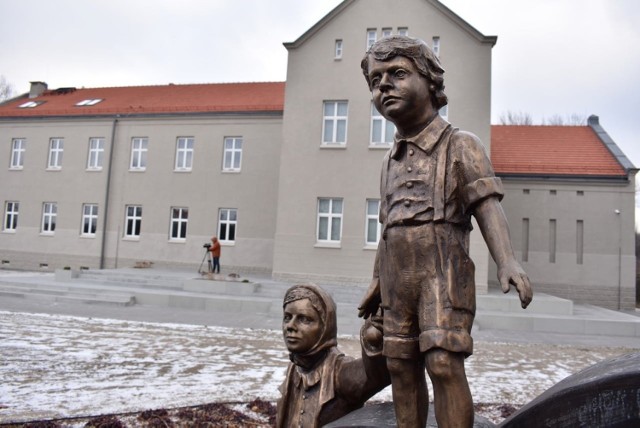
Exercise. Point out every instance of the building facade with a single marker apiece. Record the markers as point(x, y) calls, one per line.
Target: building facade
point(287, 174)
point(92, 180)
point(570, 203)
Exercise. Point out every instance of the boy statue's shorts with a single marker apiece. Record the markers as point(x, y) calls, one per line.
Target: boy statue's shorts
point(427, 289)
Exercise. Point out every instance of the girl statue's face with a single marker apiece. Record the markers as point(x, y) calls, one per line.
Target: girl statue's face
point(301, 326)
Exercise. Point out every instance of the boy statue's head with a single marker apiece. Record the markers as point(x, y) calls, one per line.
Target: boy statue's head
point(406, 80)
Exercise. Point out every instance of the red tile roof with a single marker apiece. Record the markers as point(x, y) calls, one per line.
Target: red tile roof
point(199, 98)
point(551, 150)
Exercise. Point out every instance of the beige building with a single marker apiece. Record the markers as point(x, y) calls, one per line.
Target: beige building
point(569, 200)
point(286, 175)
point(334, 142)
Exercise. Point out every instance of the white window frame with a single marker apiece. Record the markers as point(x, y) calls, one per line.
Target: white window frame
point(435, 45)
point(372, 36)
point(338, 49)
point(133, 221)
point(179, 223)
point(18, 148)
point(56, 152)
point(386, 32)
point(331, 117)
point(139, 150)
point(227, 225)
point(386, 127)
point(95, 157)
point(89, 102)
point(232, 154)
point(184, 153)
point(89, 224)
point(403, 31)
point(372, 219)
point(11, 212)
point(326, 219)
point(49, 217)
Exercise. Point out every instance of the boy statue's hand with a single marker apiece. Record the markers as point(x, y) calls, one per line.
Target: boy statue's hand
point(371, 300)
point(511, 273)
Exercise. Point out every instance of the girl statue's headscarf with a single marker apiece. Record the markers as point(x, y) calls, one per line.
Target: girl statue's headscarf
point(323, 303)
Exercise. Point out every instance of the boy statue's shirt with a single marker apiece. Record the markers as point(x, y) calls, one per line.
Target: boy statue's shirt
point(438, 175)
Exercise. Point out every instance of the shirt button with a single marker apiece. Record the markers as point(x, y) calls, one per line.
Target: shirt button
point(302, 412)
point(409, 184)
point(409, 169)
point(411, 152)
point(304, 397)
point(407, 202)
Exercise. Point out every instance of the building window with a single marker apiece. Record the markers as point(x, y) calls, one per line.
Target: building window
point(373, 224)
point(525, 239)
point(436, 45)
point(403, 31)
point(227, 223)
point(386, 32)
point(338, 49)
point(371, 37)
point(525, 191)
point(89, 219)
point(552, 241)
point(382, 130)
point(579, 241)
point(96, 153)
point(329, 220)
point(18, 147)
point(179, 219)
point(184, 154)
point(139, 153)
point(133, 221)
point(89, 102)
point(10, 216)
point(31, 104)
point(56, 150)
point(49, 215)
point(334, 125)
point(553, 192)
point(232, 154)
point(580, 193)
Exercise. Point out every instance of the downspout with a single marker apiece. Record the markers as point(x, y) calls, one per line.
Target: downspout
point(106, 192)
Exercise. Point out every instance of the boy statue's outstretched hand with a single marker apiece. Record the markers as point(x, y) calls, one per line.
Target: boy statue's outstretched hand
point(371, 300)
point(511, 273)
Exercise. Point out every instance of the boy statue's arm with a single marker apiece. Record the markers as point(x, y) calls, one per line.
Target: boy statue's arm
point(495, 230)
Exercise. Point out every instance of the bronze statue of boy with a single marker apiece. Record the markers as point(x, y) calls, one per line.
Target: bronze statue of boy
point(433, 180)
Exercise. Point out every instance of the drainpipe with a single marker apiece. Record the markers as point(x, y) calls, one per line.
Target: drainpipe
point(106, 192)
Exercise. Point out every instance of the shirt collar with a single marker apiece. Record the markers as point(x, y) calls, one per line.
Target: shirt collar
point(426, 140)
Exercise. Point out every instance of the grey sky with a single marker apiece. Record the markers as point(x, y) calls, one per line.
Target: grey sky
point(552, 56)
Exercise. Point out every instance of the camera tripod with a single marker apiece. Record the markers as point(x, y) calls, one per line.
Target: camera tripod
point(208, 259)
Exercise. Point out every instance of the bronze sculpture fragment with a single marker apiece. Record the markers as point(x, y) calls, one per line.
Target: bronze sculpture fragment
point(433, 180)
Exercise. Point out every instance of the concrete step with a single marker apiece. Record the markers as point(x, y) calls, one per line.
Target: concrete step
point(61, 295)
point(189, 290)
point(598, 323)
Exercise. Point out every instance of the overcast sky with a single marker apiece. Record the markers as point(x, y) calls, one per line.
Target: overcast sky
point(553, 57)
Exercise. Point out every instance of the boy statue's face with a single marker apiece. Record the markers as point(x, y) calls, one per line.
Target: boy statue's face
point(400, 93)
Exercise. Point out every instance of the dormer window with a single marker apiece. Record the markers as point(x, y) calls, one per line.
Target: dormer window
point(89, 102)
point(31, 104)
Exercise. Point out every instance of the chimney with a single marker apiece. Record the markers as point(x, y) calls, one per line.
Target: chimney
point(593, 120)
point(37, 88)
